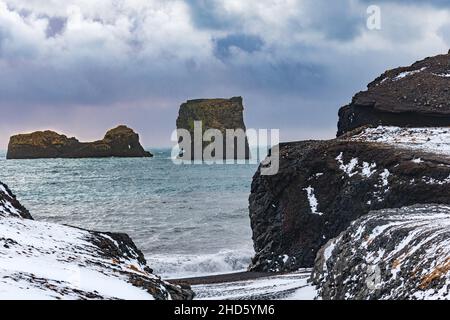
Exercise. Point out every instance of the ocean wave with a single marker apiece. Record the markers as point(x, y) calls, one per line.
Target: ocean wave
point(186, 266)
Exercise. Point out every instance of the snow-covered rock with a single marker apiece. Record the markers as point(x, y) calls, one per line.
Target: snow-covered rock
point(292, 286)
point(389, 254)
point(40, 260)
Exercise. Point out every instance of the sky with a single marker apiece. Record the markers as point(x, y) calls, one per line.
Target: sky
point(81, 67)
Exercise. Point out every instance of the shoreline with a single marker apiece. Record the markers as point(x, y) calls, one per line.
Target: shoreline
point(252, 286)
point(222, 278)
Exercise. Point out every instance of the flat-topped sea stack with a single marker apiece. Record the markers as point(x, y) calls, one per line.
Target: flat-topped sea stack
point(118, 142)
point(220, 114)
point(418, 95)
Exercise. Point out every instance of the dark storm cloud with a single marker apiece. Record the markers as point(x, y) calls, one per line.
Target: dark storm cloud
point(434, 3)
point(55, 26)
point(282, 78)
point(334, 18)
point(209, 14)
point(247, 43)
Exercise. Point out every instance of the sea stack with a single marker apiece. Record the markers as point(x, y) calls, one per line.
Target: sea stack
point(220, 114)
point(118, 142)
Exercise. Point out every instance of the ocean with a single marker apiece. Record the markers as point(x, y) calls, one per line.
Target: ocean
point(188, 220)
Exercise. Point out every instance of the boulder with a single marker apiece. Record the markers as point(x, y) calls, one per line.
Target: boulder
point(220, 114)
point(414, 96)
point(119, 142)
point(40, 260)
point(10, 206)
point(323, 186)
point(391, 254)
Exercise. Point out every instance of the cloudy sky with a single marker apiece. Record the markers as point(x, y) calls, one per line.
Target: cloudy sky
point(82, 66)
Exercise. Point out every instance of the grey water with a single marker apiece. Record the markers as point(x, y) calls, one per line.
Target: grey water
point(189, 220)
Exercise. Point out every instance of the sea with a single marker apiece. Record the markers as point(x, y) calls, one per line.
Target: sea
point(189, 220)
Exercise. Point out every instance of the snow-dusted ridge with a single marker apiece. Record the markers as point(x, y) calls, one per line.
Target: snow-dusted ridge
point(434, 139)
point(408, 73)
point(40, 260)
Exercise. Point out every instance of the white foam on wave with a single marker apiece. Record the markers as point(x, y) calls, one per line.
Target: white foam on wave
point(186, 266)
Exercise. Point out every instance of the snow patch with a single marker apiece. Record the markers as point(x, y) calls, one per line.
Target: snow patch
point(430, 180)
point(408, 73)
point(368, 169)
point(313, 203)
point(384, 177)
point(442, 75)
point(352, 168)
point(434, 139)
point(347, 168)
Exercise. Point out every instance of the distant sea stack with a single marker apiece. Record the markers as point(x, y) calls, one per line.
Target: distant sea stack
point(220, 114)
point(418, 95)
point(118, 142)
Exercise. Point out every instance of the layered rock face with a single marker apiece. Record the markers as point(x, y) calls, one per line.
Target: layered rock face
point(118, 142)
point(412, 96)
point(323, 186)
point(40, 260)
point(389, 254)
point(220, 114)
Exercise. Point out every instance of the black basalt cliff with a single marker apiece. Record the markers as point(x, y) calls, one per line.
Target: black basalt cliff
point(322, 186)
